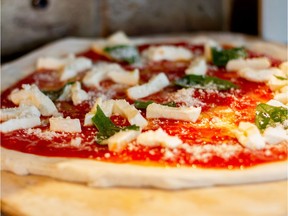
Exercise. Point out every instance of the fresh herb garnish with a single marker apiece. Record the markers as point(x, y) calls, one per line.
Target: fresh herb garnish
point(170, 104)
point(281, 78)
point(55, 94)
point(221, 57)
point(142, 104)
point(124, 53)
point(267, 115)
point(145, 104)
point(199, 81)
point(106, 127)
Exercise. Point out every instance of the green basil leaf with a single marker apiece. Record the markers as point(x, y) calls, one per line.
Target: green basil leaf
point(281, 78)
point(124, 53)
point(145, 104)
point(142, 104)
point(221, 57)
point(267, 115)
point(106, 128)
point(170, 104)
point(199, 81)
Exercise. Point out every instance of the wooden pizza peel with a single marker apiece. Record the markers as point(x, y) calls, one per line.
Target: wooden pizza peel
point(41, 196)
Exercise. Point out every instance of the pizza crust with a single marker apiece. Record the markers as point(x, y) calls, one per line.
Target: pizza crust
point(104, 174)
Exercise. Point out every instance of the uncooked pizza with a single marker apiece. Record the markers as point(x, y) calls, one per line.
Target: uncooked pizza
point(159, 113)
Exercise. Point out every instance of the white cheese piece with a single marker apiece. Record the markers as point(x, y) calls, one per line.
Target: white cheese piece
point(249, 136)
point(66, 94)
point(125, 77)
point(179, 113)
point(106, 107)
point(19, 123)
point(170, 53)
point(93, 78)
point(276, 103)
point(158, 138)
point(100, 72)
point(19, 112)
point(282, 97)
point(64, 124)
point(76, 142)
point(118, 38)
point(275, 83)
point(275, 135)
point(208, 45)
point(154, 85)
point(31, 95)
point(118, 141)
point(88, 119)
point(284, 67)
point(75, 93)
point(198, 67)
point(75, 66)
point(263, 75)
point(253, 63)
point(50, 63)
point(122, 107)
point(284, 89)
point(78, 95)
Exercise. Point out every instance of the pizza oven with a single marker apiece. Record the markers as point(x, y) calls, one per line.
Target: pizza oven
point(29, 24)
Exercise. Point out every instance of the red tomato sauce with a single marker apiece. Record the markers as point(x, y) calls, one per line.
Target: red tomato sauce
point(206, 144)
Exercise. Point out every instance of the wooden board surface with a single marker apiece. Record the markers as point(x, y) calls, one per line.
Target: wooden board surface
point(35, 195)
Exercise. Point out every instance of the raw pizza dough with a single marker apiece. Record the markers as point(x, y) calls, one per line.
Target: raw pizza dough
point(104, 174)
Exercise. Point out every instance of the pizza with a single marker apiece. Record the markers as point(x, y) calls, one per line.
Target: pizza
point(164, 112)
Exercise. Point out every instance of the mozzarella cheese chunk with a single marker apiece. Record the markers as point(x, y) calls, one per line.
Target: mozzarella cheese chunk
point(275, 83)
point(75, 66)
point(66, 94)
point(118, 141)
point(275, 135)
point(125, 77)
point(249, 136)
point(118, 38)
point(198, 67)
point(284, 67)
point(253, 63)
point(78, 95)
point(50, 63)
point(31, 95)
point(133, 115)
point(154, 85)
point(19, 112)
point(64, 124)
point(284, 89)
point(76, 142)
point(100, 72)
point(276, 103)
point(263, 75)
point(75, 93)
point(282, 97)
point(158, 138)
point(179, 113)
point(170, 53)
point(106, 107)
point(19, 123)
point(93, 78)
